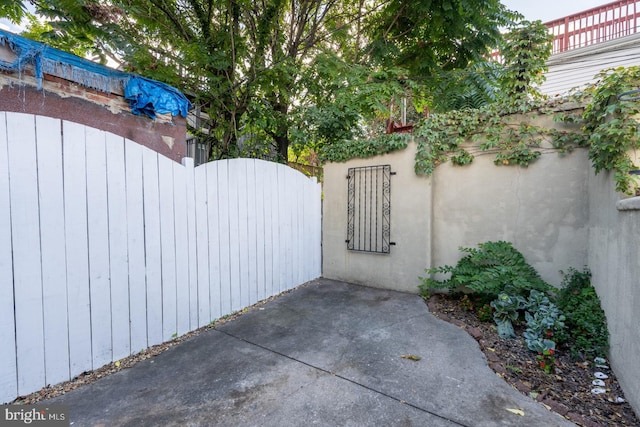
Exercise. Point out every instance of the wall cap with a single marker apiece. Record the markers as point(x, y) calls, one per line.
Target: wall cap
point(630, 204)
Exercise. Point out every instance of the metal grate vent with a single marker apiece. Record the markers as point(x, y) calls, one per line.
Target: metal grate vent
point(369, 209)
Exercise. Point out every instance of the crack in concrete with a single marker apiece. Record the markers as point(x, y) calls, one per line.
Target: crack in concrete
point(334, 374)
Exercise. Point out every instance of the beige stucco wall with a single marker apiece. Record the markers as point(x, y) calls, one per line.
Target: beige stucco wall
point(410, 226)
point(615, 265)
point(541, 209)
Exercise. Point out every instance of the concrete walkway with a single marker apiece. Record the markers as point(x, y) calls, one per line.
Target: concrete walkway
point(327, 354)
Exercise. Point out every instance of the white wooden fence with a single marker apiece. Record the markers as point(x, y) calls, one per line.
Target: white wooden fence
point(107, 248)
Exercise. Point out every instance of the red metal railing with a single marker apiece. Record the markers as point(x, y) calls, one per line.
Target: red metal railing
point(599, 24)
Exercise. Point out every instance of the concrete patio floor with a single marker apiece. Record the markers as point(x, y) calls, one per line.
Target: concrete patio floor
point(327, 354)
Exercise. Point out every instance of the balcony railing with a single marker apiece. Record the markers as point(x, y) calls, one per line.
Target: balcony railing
point(599, 24)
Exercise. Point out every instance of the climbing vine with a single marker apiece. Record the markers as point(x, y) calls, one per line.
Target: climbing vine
point(611, 124)
point(606, 124)
point(364, 148)
point(596, 118)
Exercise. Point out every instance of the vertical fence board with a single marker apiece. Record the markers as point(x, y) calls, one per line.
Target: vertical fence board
point(268, 179)
point(118, 253)
point(300, 252)
point(192, 239)
point(75, 227)
point(54, 275)
point(168, 249)
point(278, 249)
point(307, 193)
point(153, 253)
point(8, 367)
point(234, 234)
point(27, 273)
point(182, 247)
point(243, 230)
point(260, 184)
point(252, 237)
point(223, 236)
point(285, 231)
point(202, 240)
point(136, 247)
point(214, 240)
point(98, 221)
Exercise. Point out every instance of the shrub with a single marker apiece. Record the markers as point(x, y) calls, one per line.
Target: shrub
point(585, 318)
point(492, 268)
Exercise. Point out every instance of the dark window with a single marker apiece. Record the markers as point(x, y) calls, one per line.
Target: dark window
point(369, 209)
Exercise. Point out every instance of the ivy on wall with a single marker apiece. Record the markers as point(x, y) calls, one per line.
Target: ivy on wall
point(605, 124)
point(595, 118)
point(364, 148)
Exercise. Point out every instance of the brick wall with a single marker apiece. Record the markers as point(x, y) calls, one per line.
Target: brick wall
point(66, 100)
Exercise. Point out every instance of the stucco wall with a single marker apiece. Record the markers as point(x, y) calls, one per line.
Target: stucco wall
point(410, 226)
point(615, 266)
point(541, 209)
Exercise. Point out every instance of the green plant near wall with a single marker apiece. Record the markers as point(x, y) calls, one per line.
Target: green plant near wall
point(585, 319)
point(491, 269)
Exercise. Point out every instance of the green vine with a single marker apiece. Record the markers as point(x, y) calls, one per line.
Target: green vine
point(459, 136)
point(364, 148)
point(612, 126)
point(608, 126)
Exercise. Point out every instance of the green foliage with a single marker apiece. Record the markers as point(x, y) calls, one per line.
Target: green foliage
point(270, 74)
point(546, 356)
point(363, 148)
point(485, 313)
point(13, 10)
point(526, 49)
point(612, 125)
point(456, 33)
point(465, 303)
point(545, 321)
point(608, 124)
point(45, 32)
point(585, 319)
point(492, 268)
point(444, 137)
point(506, 311)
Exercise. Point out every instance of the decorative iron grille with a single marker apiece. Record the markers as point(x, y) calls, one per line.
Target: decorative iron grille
point(369, 209)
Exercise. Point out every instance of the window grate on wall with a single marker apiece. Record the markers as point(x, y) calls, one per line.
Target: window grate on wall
point(369, 209)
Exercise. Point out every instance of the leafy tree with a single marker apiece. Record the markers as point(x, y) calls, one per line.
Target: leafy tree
point(13, 10)
point(269, 73)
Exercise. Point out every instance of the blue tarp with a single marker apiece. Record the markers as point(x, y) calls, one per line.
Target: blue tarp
point(149, 97)
point(145, 96)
